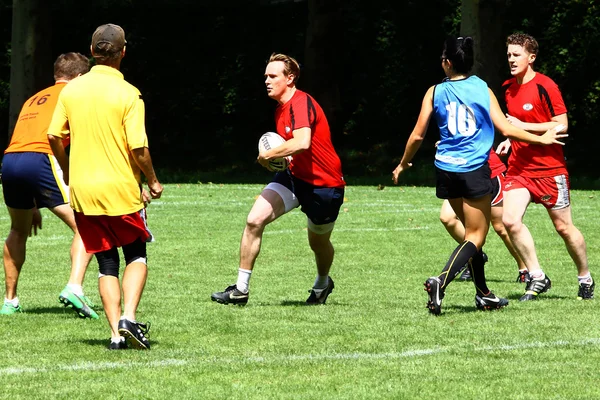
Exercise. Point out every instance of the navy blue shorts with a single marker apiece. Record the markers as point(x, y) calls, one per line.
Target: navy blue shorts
point(468, 185)
point(320, 204)
point(32, 179)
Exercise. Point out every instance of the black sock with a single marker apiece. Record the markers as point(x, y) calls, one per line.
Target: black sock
point(460, 256)
point(478, 273)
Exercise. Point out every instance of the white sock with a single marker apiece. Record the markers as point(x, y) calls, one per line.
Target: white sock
point(538, 275)
point(587, 279)
point(321, 282)
point(117, 340)
point(77, 289)
point(243, 280)
point(14, 302)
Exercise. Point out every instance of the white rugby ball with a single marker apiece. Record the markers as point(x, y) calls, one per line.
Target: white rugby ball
point(269, 141)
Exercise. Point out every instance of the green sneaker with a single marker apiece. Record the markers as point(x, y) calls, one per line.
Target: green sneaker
point(89, 302)
point(78, 303)
point(8, 309)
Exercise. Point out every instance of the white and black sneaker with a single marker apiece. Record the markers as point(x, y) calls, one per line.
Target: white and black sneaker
point(320, 296)
point(231, 295)
point(436, 295)
point(535, 287)
point(135, 334)
point(490, 302)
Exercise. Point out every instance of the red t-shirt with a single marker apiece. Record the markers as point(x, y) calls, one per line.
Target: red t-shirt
point(496, 165)
point(535, 101)
point(319, 165)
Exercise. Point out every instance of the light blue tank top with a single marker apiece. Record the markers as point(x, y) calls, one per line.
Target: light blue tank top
point(462, 112)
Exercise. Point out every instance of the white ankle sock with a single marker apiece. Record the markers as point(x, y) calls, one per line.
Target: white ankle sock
point(321, 282)
point(243, 280)
point(14, 302)
point(77, 289)
point(538, 275)
point(587, 279)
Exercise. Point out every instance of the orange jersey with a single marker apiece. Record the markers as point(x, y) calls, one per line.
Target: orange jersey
point(30, 132)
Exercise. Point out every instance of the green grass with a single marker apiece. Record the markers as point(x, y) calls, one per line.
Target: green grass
point(374, 338)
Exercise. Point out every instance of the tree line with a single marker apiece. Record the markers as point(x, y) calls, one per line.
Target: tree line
point(200, 65)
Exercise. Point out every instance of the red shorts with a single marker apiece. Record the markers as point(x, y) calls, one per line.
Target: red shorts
point(103, 232)
point(552, 193)
point(498, 189)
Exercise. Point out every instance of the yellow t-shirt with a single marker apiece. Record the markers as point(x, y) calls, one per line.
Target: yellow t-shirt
point(105, 116)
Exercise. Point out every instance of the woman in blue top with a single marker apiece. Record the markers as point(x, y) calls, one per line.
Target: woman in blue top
point(466, 112)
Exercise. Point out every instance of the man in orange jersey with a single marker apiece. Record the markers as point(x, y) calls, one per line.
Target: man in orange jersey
point(109, 150)
point(32, 179)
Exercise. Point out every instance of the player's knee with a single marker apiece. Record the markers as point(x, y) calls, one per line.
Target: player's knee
point(108, 263)
point(135, 252)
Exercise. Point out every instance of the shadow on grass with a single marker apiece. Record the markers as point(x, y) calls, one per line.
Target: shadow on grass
point(105, 342)
point(51, 310)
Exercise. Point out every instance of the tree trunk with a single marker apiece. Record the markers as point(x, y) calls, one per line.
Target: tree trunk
point(482, 20)
point(31, 58)
point(321, 61)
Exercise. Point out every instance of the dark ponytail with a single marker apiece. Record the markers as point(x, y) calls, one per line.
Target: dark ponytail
point(460, 51)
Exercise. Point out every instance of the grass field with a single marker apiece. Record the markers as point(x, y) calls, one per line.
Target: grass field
point(374, 338)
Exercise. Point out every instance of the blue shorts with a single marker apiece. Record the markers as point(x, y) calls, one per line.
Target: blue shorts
point(32, 179)
point(320, 204)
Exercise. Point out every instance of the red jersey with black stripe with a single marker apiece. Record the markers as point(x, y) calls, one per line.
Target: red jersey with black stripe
point(319, 165)
point(497, 166)
point(536, 101)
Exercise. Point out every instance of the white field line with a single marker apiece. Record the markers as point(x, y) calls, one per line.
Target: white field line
point(99, 366)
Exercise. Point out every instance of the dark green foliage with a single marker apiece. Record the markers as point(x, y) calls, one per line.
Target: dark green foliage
point(200, 65)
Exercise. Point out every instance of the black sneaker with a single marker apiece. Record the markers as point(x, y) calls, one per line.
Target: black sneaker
point(231, 295)
point(586, 292)
point(315, 298)
point(466, 274)
point(436, 295)
point(135, 334)
point(523, 277)
point(122, 345)
point(490, 302)
point(535, 287)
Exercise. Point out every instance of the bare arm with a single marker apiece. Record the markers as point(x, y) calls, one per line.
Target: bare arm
point(142, 158)
point(541, 127)
point(551, 136)
point(58, 149)
point(299, 143)
point(416, 137)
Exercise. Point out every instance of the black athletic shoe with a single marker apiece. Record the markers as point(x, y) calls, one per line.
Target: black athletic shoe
point(436, 295)
point(466, 274)
point(586, 292)
point(535, 287)
point(135, 334)
point(231, 295)
point(523, 277)
point(490, 302)
point(122, 345)
point(315, 299)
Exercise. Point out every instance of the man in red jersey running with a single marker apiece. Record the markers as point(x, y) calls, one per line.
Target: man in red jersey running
point(538, 173)
point(313, 181)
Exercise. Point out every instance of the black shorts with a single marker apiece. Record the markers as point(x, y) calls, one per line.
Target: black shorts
point(467, 185)
point(320, 204)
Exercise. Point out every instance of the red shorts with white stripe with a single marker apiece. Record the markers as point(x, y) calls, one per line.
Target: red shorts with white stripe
point(103, 232)
point(552, 193)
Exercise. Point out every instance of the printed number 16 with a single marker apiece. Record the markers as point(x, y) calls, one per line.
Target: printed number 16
point(461, 119)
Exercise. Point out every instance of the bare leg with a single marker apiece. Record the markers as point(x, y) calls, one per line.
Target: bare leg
point(134, 281)
point(563, 223)
point(15, 248)
point(267, 208)
point(79, 257)
point(516, 202)
point(323, 249)
point(110, 292)
point(498, 226)
point(451, 222)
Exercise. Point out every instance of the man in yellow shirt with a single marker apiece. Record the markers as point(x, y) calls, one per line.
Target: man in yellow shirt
point(109, 149)
point(32, 179)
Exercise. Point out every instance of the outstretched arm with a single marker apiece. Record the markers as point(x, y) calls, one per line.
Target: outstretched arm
point(551, 136)
point(416, 137)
